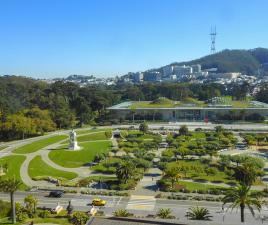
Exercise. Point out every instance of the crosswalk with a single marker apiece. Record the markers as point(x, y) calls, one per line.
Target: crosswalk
point(141, 202)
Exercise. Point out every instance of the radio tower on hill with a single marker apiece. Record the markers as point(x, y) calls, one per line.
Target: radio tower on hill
point(213, 34)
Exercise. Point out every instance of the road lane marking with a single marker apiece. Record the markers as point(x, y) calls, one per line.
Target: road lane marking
point(119, 200)
point(141, 202)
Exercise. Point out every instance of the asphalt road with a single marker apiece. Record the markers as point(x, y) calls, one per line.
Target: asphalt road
point(252, 127)
point(141, 206)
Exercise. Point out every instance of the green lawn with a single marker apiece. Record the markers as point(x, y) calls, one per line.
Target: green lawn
point(92, 137)
point(14, 163)
point(38, 167)
point(198, 135)
point(90, 130)
point(197, 186)
point(37, 145)
point(69, 158)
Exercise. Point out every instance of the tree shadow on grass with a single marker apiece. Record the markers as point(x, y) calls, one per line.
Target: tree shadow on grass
point(52, 149)
point(200, 180)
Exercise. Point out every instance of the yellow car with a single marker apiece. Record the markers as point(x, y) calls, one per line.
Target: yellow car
point(98, 202)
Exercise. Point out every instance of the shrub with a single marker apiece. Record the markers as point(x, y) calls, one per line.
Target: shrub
point(122, 213)
point(198, 213)
point(209, 199)
point(44, 214)
point(201, 191)
point(185, 190)
point(198, 129)
point(198, 198)
point(165, 214)
point(181, 197)
point(84, 182)
point(214, 191)
point(21, 213)
point(4, 209)
point(128, 186)
point(79, 218)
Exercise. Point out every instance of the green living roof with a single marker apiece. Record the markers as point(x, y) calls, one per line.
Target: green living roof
point(218, 102)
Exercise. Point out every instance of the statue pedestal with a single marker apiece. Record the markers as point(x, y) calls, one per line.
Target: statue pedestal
point(74, 146)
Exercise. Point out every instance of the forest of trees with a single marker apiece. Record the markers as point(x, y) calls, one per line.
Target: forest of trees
point(31, 107)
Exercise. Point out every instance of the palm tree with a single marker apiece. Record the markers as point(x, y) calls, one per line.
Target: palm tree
point(125, 171)
point(11, 186)
point(198, 213)
point(31, 203)
point(241, 196)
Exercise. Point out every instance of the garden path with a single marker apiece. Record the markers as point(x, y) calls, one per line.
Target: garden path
point(82, 172)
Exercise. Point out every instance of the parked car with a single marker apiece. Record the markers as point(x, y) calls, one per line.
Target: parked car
point(56, 194)
point(98, 202)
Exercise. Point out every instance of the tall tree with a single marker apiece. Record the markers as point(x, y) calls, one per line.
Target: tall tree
point(173, 173)
point(183, 130)
point(11, 186)
point(30, 204)
point(241, 197)
point(144, 127)
point(125, 171)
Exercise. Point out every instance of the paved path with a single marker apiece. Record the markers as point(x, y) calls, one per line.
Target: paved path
point(82, 172)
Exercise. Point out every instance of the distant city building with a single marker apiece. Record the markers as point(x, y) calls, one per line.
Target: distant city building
point(196, 68)
point(228, 75)
point(152, 76)
point(182, 70)
point(167, 71)
point(137, 77)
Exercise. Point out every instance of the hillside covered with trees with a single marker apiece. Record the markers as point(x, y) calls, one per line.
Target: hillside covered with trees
point(244, 61)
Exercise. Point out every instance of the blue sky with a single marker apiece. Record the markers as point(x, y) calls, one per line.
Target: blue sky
point(56, 38)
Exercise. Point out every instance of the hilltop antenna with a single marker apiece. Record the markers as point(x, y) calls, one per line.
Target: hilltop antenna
point(213, 34)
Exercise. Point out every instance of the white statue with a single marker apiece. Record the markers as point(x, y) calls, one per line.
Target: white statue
point(73, 142)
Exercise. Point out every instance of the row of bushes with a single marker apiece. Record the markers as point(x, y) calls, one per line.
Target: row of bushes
point(212, 191)
point(195, 198)
point(106, 193)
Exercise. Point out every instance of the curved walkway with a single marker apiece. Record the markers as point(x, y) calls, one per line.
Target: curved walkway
point(82, 172)
point(26, 179)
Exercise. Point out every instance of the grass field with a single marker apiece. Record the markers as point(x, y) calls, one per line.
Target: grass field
point(197, 186)
point(14, 163)
point(90, 130)
point(37, 145)
point(69, 158)
point(38, 167)
point(92, 137)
